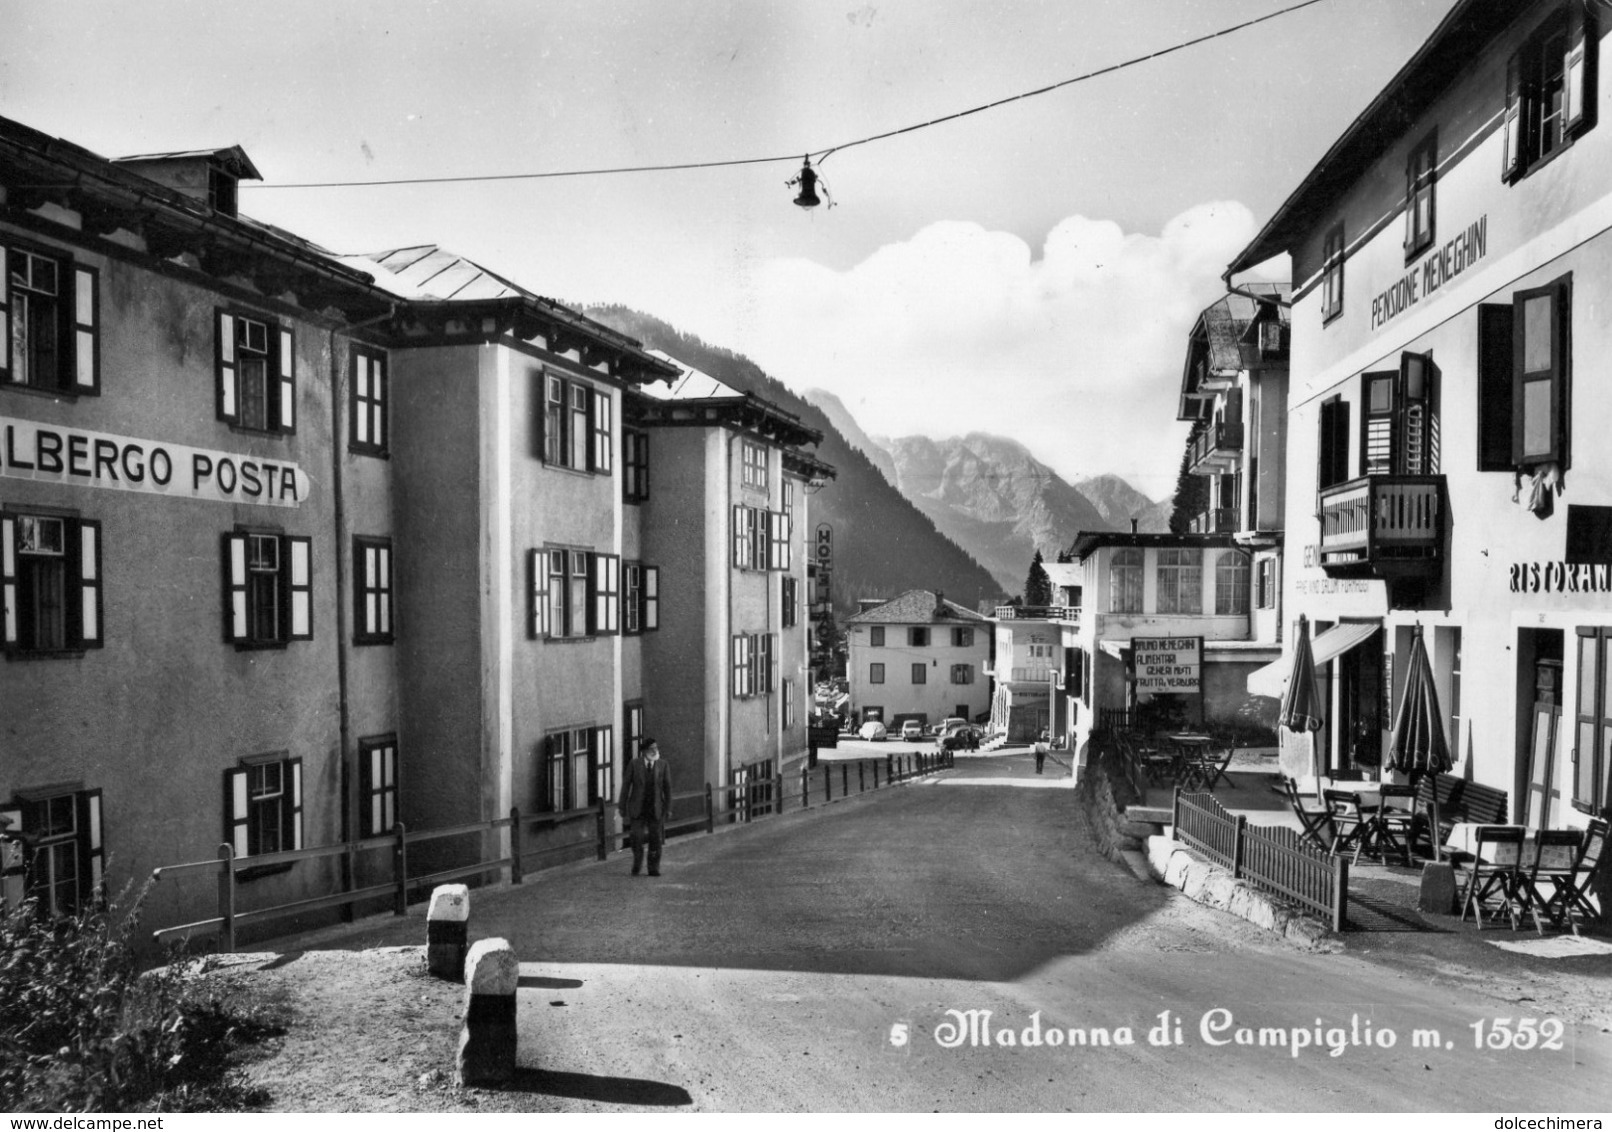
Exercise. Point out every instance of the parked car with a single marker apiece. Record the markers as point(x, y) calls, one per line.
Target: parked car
point(912, 731)
point(873, 730)
point(964, 738)
point(949, 724)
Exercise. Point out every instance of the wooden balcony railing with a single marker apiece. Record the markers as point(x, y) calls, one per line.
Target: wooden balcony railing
point(1215, 521)
point(1038, 613)
point(1217, 448)
point(1383, 525)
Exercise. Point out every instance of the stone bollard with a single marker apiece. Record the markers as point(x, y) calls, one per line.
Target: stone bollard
point(1438, 888)
point(447, 924)
point(487, 1041)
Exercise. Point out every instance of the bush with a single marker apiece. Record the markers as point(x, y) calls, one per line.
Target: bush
point(83, 1030)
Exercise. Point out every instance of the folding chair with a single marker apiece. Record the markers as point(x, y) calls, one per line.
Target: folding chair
point(1391, 830)
point(1315, 824)
point(1556, 853)
point(1569, 897)
point(1348, 823)
point(1212, 766)
point(1496, 873)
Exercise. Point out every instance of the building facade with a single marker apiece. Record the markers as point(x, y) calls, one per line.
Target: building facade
point(297, 546)
point(918, 656)
point(1449, 257)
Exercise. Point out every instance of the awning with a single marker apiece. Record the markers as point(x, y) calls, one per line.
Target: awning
point(1114, 648)
point(1271, 680)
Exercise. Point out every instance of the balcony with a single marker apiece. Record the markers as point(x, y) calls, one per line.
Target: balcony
point(1218, 450)
point(1383, 527)
point(1066, 613)
point(1215, 521)
point(1035, 674)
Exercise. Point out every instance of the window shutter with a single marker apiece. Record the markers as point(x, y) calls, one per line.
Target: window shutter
point(235, 810)
point(651, 617)
point(787, 522)
point(285, 408)
point(291, 815)
point(613, 577)
point(13, 885)
point(1511, 150)
point(228, 410)
point(91, 864)
point(5, 324)
point(358, 401)
point(86, 331)
point(1494, 387)
point(1539, 377)
point(537, 577)
point(740, 539)
point(1381, 436)
point(596, 614)
point(297, 579)
point(234, 546)
point(84, 560)
point(383, 585)
point(389, 786)
point(377, 407)
point(8, 578)
point(369, 778)
point(1579, 68)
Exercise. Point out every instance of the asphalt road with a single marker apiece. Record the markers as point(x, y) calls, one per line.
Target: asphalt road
point(813, 962)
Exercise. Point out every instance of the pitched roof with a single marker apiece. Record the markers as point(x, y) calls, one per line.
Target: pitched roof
point(916, 607)
point(1064, 573)
point(428, 271)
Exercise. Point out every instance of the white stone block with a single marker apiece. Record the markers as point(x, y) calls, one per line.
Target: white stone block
point(491, 968)
point(449, 902)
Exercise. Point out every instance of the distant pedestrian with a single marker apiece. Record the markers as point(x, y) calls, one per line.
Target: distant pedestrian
point(646, 801)
point(1041, 752)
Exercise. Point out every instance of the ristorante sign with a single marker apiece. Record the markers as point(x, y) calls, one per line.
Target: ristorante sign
point(1437, 268)
point(33, 451)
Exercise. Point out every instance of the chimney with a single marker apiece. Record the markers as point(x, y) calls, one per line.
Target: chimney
point(940, 603)
point(1133, 526)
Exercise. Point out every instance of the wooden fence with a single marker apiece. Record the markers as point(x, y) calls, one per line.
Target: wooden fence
point(1274, 858)
point(746, 799)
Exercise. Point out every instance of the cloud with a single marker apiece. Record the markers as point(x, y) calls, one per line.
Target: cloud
point(1077, 354)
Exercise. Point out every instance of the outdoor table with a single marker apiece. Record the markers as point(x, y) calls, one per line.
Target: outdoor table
point(1191, 747)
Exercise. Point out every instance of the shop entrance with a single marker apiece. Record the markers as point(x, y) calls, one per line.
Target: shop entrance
point(1361, 714)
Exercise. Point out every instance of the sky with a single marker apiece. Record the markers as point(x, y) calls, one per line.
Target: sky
point(1030, 271)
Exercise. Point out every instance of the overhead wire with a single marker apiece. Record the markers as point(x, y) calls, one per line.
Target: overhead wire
point(820, 155)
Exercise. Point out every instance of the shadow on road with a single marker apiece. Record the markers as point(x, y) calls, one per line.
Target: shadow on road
point(539, 982)
point(607, 1090)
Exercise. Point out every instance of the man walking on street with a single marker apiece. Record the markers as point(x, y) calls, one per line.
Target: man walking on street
point(646, 800)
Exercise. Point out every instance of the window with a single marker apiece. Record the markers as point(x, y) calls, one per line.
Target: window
point(1333, 461)
point(632, 729)
point(377, 785)
point(570, 778)
point(1125, 582)
point(789, 613)
point(603, 786)
point(649, 599)
point(778, 537)
point(50, 580)
point(62, 830)
point(918, 638)
point(577, 593)
point(751, 528)
point(372, 591)
point(263, 805)
point(788, 486)
point(1332, 274)
point(876, 636)
point(223, 191)
point(787, 695)
point(876, 673)
point(1592, 754)
point(632, 582)
point(268, 589)
point(744, 666)
point(1550, 89)
point(49, 324)
point(635, 465)
point(1399, 427)
point(577, 423)
point(1266, 598)
point(962, 638)
point(1231, 584)
point(767, 661)
point(1455, 692)
point(1180, 578)
point(754, 457)
point(962, 674)
point(1525, 379)
point(920, 673)
point(257, 387)
point(1419, 175)
point(366, 406)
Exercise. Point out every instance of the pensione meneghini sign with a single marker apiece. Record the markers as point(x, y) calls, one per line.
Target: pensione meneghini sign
point(43, 453)
point(1431, 272)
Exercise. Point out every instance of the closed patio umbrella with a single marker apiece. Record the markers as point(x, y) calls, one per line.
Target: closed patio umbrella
point(1301, 701)
point(1419, 745)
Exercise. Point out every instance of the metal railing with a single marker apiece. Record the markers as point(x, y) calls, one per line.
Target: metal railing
point(1270, 857)
point(1038, 613)
point(741, 801)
